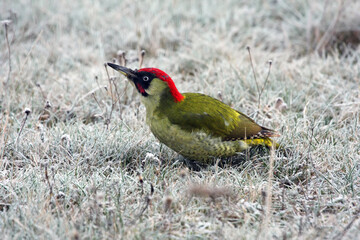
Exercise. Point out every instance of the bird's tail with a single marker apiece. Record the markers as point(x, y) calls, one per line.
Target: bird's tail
point(262, 142)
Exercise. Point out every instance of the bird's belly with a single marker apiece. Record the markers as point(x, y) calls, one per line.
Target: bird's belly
point(196, 145)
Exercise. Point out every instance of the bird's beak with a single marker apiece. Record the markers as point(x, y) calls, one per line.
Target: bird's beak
point(125, 71)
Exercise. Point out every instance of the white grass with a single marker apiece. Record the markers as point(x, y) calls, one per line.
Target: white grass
point(58, 49)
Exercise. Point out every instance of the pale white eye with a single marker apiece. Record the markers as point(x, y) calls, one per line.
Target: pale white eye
point(146, 78)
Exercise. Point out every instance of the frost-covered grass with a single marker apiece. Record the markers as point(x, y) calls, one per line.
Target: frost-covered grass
point(83, 169)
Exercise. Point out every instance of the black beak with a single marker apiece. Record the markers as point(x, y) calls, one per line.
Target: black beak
point(126, 71)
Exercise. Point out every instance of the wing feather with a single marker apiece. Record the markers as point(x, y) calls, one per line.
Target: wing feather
point(201, 112)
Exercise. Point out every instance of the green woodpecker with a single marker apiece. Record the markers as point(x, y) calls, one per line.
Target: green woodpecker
point(195, 125)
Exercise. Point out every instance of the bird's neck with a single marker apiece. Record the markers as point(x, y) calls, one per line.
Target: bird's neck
point(152, 102)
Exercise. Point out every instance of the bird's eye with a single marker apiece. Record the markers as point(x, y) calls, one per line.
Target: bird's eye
point(146, 78)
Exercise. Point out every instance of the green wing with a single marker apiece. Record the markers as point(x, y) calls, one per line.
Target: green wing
point(201, 112)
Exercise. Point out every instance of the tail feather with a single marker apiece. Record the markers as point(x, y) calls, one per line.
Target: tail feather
point(266, 133)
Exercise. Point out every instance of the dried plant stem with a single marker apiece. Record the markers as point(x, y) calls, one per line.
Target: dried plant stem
point(27, 113)
point(260, 92)
point(121, 57)
point(41, 91)
point(48, 181)
point(6, 25)
point(346, 229)
point(148, 198)
point(253, 70)
point(2, 140)
point(117, 98)
point(113, 102)
point(93, 94)
point(141, 58)
point(308, 175)
point(110, 85)
point(266, 80)
point(31, 48)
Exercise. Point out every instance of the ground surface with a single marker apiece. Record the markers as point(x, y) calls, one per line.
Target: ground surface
point(79, 170)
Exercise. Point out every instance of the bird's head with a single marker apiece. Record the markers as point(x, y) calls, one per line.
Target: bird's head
point(150, 81)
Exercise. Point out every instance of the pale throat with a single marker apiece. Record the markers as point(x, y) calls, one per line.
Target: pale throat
point(151, 102)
